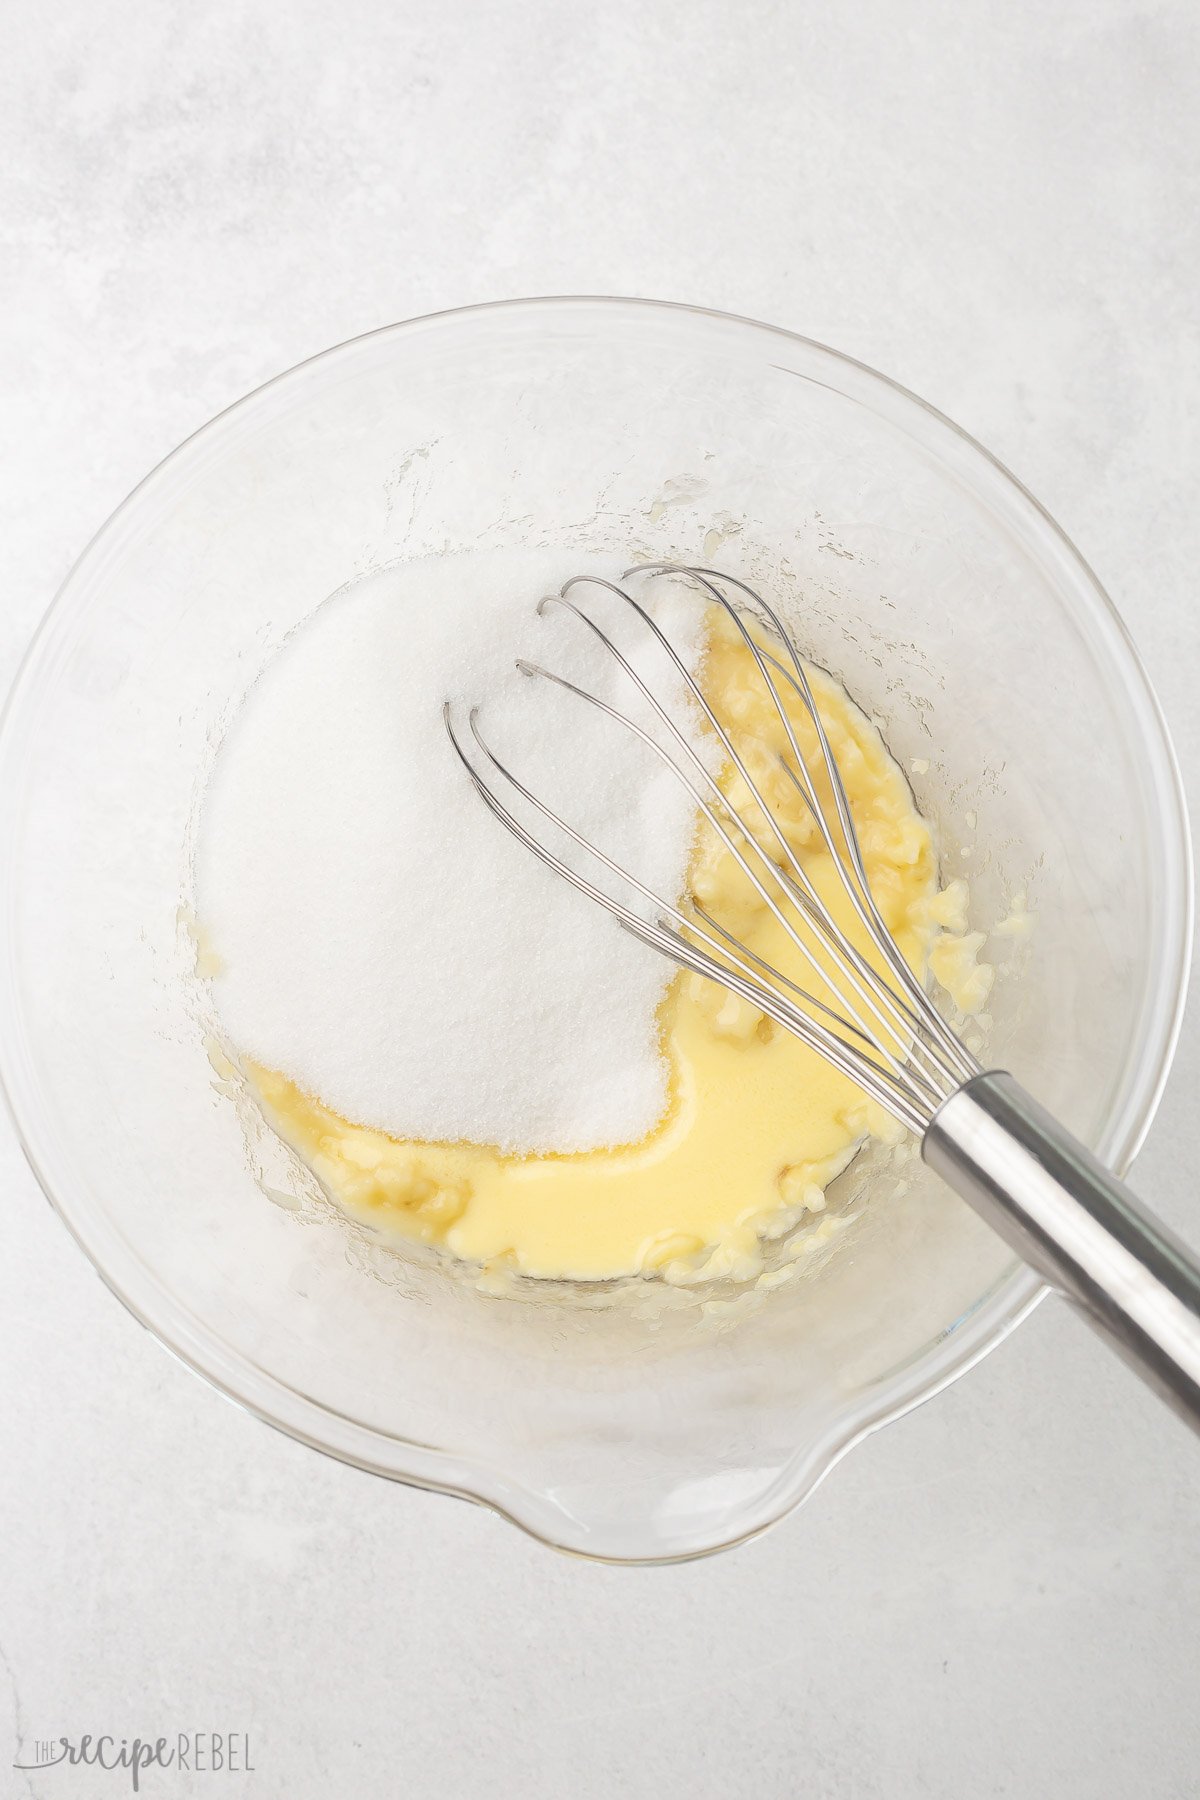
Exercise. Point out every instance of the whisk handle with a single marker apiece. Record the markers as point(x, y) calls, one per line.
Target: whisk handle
point(1083, 1231)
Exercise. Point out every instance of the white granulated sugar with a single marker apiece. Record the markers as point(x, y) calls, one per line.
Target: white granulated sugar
point(382, 940)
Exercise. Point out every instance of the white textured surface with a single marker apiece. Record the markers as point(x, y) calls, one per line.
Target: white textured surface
point(997, 1596)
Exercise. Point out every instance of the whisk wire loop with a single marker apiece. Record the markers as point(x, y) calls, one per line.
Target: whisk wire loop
point(885, 1036)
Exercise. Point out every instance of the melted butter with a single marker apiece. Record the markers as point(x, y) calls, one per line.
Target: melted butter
point(757, 1124)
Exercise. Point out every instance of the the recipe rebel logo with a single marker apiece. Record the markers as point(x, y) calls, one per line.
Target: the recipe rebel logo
point(197, 1752)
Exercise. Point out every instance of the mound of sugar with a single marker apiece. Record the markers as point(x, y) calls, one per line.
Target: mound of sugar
point(382, 939)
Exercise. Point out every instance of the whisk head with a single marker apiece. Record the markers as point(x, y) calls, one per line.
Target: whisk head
point(877, 1024)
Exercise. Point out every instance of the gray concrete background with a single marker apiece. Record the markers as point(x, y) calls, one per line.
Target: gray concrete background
point(995, 204)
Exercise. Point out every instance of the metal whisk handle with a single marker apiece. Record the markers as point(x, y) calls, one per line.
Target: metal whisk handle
point(1078, 1226)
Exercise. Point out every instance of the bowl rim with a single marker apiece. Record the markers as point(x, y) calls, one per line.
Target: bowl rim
point(993, 1316)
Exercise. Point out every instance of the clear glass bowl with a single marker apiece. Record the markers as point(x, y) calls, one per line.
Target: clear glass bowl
point(932, 584)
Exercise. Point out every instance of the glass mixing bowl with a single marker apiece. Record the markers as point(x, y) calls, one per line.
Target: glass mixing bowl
point(930, 583)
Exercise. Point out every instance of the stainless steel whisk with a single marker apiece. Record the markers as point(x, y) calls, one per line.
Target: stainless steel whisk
point(1045, 1193)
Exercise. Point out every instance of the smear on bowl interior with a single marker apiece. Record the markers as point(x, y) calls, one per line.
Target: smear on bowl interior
point(456, 1043)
